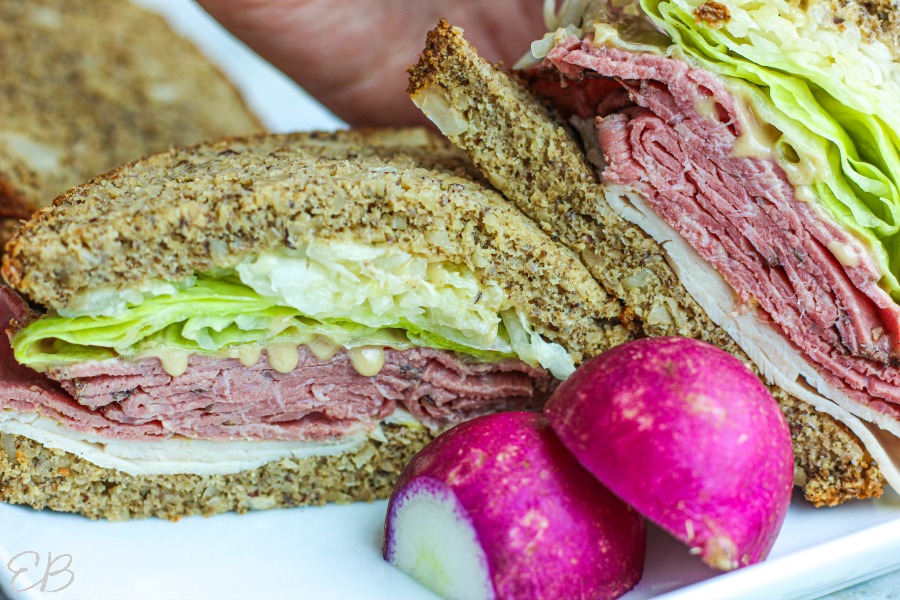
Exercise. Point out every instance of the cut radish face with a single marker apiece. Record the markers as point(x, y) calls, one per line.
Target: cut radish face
point(498, 508)
point(455, 566)
point(687, 435)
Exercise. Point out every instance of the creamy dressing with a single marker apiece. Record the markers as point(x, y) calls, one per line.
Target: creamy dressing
point(844, 253)
point(759, 139)
point(804, 172)
point(322, 347)
point(283, 357)
point(247, 354)
point(805, 194)
point(174, 361)
point(756, 140)
point(367, 360)
point(708, 108)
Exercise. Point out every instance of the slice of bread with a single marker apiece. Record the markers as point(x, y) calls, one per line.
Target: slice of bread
point(210, 206)
point(42, 477)
point(530, 156)
point(91, 84)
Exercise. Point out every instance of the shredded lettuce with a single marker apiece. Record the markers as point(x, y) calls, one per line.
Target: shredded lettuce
point(351, 294)
point(835, 101)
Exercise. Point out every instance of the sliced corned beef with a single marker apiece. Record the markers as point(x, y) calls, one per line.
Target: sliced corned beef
point(669, 131)
point(220, 399)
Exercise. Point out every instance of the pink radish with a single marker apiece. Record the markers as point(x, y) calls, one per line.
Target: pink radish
point(497, 508)
point(687, 435)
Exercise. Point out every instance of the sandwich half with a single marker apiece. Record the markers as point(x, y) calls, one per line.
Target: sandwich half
point(89, 85)
point(722, 185)
point(273, 321)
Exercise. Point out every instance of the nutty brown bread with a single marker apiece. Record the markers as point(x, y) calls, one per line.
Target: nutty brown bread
point(41, 477)
point(208, 206)
point(91, 84)
point(529, 155)
point(877, 19)
point(191, 210)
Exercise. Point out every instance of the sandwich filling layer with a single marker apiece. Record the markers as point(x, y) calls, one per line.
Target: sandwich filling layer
point(776, 358)
point(301, 352)
point(691, 144)
point(168, 457)
point(325, 295)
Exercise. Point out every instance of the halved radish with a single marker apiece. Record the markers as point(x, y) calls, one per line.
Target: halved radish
point(687, 435)
point(498, 508)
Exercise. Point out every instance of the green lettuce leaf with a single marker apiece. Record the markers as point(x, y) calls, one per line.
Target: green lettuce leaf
point(835, 105)
point(353, 295)
point(207, 318)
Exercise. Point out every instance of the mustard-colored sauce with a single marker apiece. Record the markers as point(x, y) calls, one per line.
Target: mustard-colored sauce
point(248, 354)
point(844, 253)
point(367, 360)
point(283, 357)
point(174, 361)
point(322, 347)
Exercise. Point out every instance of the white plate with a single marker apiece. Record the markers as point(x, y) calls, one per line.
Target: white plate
point(334, 551)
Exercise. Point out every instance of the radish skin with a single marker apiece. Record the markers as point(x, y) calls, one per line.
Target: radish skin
point(497, 507)
point(687, 435)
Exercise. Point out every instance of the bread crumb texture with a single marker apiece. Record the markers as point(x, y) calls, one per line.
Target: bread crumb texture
point(42, 477)
point(211, 206)
point(877, 20)
point(88, 85)
point(533, 159)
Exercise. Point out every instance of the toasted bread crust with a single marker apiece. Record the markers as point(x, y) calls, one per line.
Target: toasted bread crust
point(213, 205)
point(877, 19)
point(42, 477)
point(508, 133)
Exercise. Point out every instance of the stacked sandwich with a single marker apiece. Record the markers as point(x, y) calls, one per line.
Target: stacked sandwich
point(91, 84)
point(273, 321)
point(736, 180)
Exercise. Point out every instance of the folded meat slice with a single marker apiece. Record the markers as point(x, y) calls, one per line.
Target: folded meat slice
point(677, 135)
point(221, 399)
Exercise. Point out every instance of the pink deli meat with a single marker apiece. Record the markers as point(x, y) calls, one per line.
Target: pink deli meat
point(739, 213)
point(220, 399)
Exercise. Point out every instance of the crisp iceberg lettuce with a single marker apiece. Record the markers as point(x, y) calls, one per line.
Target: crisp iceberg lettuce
point(352, 295)
point(834, 101)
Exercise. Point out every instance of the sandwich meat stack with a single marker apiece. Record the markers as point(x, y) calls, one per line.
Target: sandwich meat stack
point(273, 321)
point(737, 180)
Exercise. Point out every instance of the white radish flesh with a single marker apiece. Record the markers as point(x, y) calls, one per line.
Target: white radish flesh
point(455, 567)
point(496, 507)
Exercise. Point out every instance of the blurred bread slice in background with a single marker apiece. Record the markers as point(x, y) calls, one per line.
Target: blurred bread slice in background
point(88, 85)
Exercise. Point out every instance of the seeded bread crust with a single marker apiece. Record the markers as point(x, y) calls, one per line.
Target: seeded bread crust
point(210, 206)
point(42, 477)
point(877, 19)
point(90, 84)
point(529, 155)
